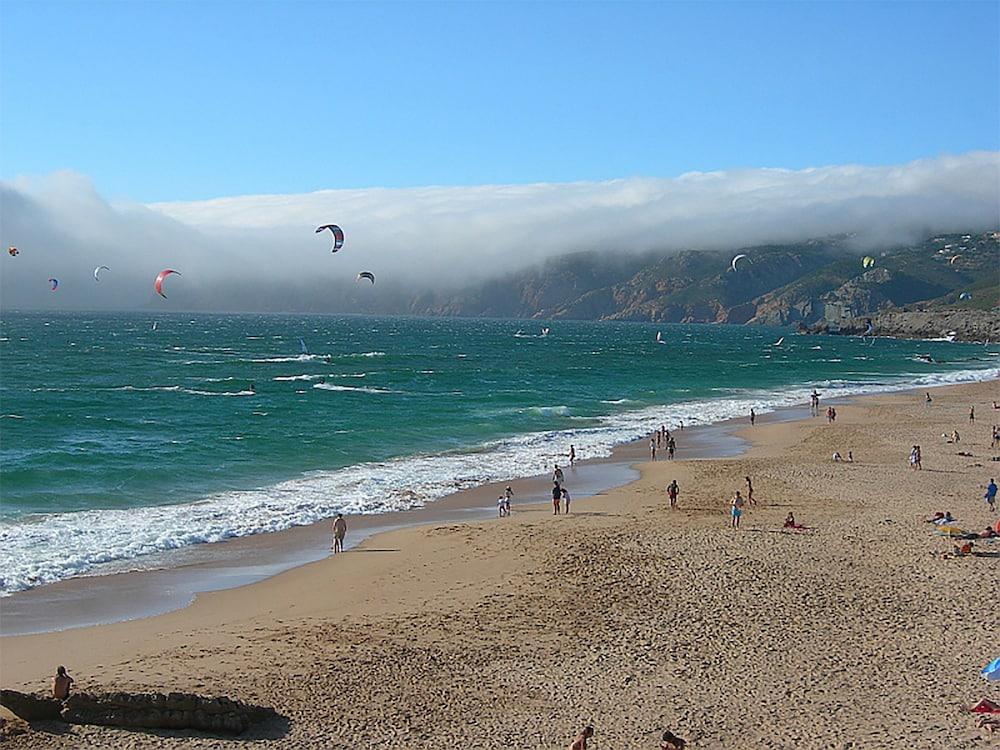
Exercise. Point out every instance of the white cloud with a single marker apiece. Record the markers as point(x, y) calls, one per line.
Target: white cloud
point(259, 252)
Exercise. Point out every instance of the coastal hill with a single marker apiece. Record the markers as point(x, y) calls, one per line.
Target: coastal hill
point(822, 280)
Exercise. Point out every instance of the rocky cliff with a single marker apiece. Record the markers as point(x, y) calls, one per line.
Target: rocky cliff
point(804, 283)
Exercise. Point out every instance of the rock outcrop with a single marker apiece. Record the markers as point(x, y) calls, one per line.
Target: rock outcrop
point(962, 325)
point(30, 707)
point(141, 711)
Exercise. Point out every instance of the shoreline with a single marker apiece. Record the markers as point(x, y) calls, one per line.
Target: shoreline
point(135, 593)
point(808, 640)
point(102, 599)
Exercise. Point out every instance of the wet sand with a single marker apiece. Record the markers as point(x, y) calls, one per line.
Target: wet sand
point(171, 580)
point(625, 614)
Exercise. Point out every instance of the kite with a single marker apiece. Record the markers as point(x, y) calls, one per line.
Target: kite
point(867, 262)
point(158, 284)
point(53, 284)
point(338, 235)
point(12, 251)
point(738, 258)
point(98, 270)
point(367, 275)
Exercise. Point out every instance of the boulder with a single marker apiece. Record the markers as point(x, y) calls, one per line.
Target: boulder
point(220, 715)
point(30, 707)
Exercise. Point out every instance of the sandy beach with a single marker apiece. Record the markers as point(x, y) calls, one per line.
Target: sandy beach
point(626, 615)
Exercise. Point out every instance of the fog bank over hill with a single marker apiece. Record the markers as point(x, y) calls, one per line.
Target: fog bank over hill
point(260, 252)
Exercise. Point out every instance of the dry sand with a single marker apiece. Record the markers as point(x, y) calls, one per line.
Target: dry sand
point(626, 615)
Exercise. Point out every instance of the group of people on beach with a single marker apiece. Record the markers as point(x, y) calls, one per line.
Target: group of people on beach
point(662, 438)
point(560, 495)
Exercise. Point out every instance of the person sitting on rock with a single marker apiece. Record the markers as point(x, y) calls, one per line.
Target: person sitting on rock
point(60, 684)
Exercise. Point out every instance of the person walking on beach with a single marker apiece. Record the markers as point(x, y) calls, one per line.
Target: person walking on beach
point(671, 447)
point(753, 417)
point(672, 491)
point(60, 684)
point(556, 496)
point(920, 466)
point(991, 495)
point(566, 498)
point(580, 743)
point(508, 494)
point(652, 449)
point(501, 506)
point(996, 436)
point(572, 455)
point(339, 531)
point(972, 414)
point(557, 475)
point(750, 500)
point(736, 509)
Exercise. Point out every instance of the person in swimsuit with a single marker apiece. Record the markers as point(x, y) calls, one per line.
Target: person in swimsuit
point(60, 684)
point(753, 417)
point(672, 491)
point(750, 500)
point(580, 743)
point(671, 446)
point(972, 413)
point(652, 449)
point(572, 455)
point(508, 493)
point(557, 475)
point(556, 497)
point(736, 509)
point(566, 498)
point(501, 506)
point(339, 531)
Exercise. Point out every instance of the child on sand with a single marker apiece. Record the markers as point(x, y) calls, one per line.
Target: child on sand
point(556, 496)
point(566, 498)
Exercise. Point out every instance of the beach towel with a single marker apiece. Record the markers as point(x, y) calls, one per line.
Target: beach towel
point(986, 706)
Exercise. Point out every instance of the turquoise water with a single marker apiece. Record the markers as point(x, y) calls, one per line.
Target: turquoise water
point(126, 434)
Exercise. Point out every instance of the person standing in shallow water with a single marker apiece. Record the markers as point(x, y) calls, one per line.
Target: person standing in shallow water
point(652, 449)
point(753, 417)
point(339, 532)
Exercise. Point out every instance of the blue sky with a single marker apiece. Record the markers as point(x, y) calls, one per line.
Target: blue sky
point(183, 100)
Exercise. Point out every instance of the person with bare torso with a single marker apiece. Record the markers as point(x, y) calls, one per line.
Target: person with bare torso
point(60, 684)
point(580, 743)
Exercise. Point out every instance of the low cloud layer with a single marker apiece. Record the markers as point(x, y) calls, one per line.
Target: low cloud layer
point(260, 252)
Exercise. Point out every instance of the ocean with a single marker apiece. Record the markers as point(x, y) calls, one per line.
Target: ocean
point(126, 434)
